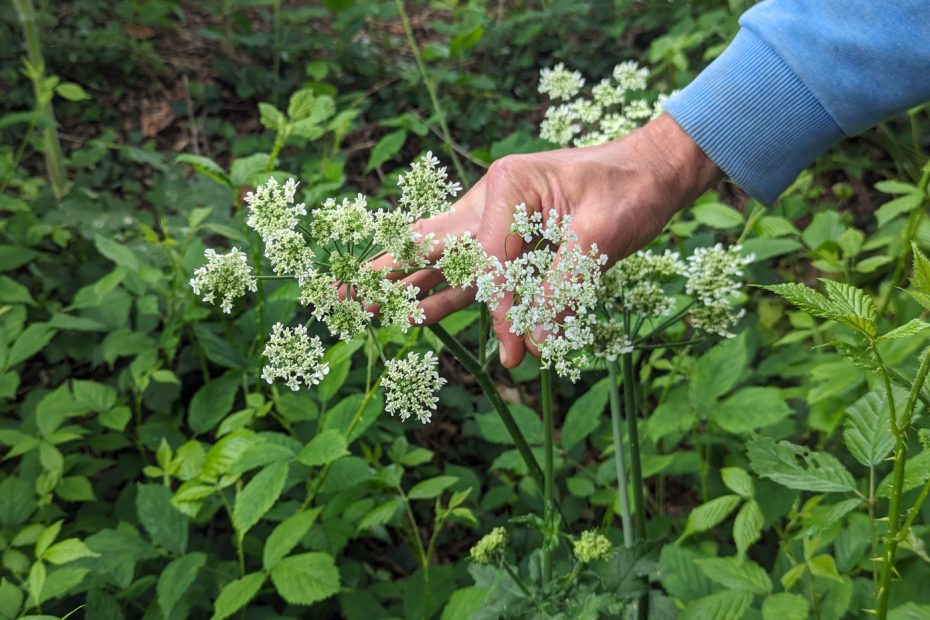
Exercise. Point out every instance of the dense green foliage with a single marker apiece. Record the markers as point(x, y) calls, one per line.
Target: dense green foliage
point(149, 472)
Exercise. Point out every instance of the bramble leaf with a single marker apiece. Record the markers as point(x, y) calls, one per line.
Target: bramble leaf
point(799, 468)
point(867, 433)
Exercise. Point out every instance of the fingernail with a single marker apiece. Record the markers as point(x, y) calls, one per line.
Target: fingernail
point(538, 335)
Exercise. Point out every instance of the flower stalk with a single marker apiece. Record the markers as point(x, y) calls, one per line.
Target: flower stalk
point(545, 386)
point(626, 521)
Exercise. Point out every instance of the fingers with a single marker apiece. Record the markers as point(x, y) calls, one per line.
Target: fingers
point(445, 302)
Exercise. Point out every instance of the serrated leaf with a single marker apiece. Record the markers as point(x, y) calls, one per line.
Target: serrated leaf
point(726, 605)
point(799, 468)
point(386, 148)
point(67, 550)
point(711, 514)
point(823, 566)
point(271, 117)
point(827, 516)
point(911, 328)
point(920, 279)
point(805, 298)
point(854, 307)
point(306, 578)
point(301, 104)
point(236, 595)
point(243, 170)
point(680, 575)
point(287, 535)
point(380, 515)
point(31, 341)
point(429, 489)
point(212, 402)
point(916, 473)
point(784, 606)
point(176, 579)
point(258, 496)
point(323, 449)
point(867, 433)
point(742, 575)
point(747, 527)
point(717, 372)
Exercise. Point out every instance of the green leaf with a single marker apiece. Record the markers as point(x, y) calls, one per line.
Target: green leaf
point(205, 166)
point(115, 419)
point(893, 186)
point(176, 579)
point(386, 148)
point(585, 415)
point(12, 257)
point(380, 515)
point(12, 292)
point(11, 599)
point(711, 514)
point(717, 372)
point(301, 104)
point(726, 605)
point(31, 341)
point(17, 501)
point(212, 402)
point(893, 208)
point(464, 603)
point(825, 517)
point(243, 170)
point(119, 254)
point(493, 430)
point(66, 551)
point(867, 433)
point(853, 307)
point(47, 537)
point(71, 91)
point(680, 575)
point(271, 117)
point(225, 452)
point(306, 578)
point(738, 481)
point(823, 566)
point(323, 449)
point(429, 489)
point(258, 496)
point(805, 298)
point(94, 396)
point(287, 535)
point(799, 468)
point(750, 409)
point(916, 473)
point(911, 328)
point(717, 215)
point(920, 279)
point(747, 527)
point(166, 525)
point(742, 575)
point(36, 580)
point(236, 595)
point(785, 606)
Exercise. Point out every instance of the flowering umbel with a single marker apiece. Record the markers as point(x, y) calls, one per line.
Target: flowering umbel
point(410, 385)
point(226, 276)
point(294, 357)
point(614, 107)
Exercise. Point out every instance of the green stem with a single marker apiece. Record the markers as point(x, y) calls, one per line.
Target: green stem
point(484, 322)
point(431, 89)
point(636, 470)
point(517, 580)
point(421, 551)
point(626, 521)
point(54, 160)
point(545, 386)
point(897, 489)
point(914, 512)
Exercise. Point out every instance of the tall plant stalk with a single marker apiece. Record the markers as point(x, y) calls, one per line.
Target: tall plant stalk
point(545, 386)
point(431, 89)
point(636, 470)
point(54, 160)
point(899, 427)
point(626, 521)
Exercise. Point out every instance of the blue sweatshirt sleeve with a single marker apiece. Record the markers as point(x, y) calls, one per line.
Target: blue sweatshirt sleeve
point(800, 75)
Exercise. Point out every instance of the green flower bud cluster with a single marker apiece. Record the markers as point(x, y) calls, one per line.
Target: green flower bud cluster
point(490, 549)
point(591, 547)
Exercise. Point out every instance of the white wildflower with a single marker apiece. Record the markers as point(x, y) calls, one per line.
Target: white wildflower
point(348, 221)
point(272, 208)
point(587, 111)
point(638, 109)
point(289, 254)
point(346, 319)
point(398, 304)
point(226, 276)
point(713, 273)
point(560, 83)
point(410, 386)
point(615, 126)
point(630, 76)
point(294, 357)
point(426, 189)
point(318, 290)
point(463, 260)
point(606, 94)
point(560, 125)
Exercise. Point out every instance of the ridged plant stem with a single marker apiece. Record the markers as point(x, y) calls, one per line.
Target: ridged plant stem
point(636, 470)
point(545, 387)
point(626, 520)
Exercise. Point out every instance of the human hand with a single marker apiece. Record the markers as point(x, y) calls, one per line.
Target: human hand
point(619, 195)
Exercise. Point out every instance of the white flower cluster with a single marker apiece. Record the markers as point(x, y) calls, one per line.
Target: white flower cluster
point(558, 296)
point(638, 288)
point(463, 260)
point(426, 189)
point(410, 386)
point(608, 112)
point(714, 279)
point(227, 276)
point(272, 207)
point(294, 357)
point(560, 83)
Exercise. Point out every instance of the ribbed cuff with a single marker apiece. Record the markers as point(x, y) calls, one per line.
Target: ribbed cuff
point(754, 118)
